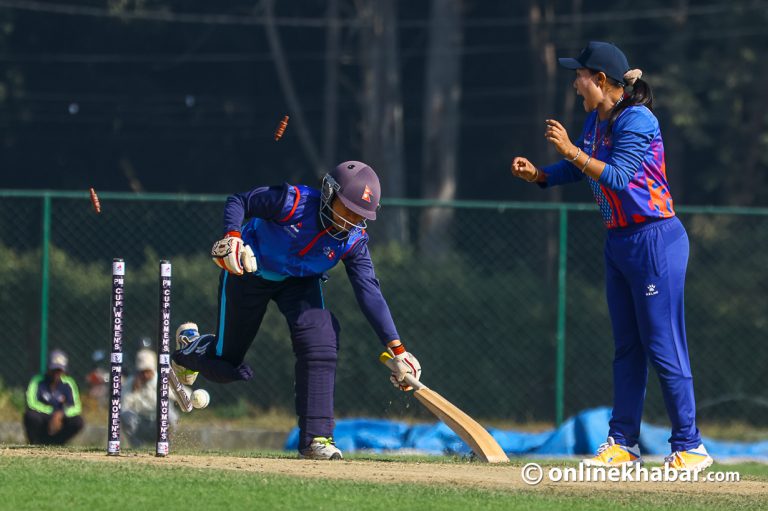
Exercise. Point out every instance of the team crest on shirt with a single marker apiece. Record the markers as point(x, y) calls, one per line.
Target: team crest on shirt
point(329, 253)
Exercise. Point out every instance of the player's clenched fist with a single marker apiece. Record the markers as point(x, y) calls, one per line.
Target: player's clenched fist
point(524, 169)
point(231, 254)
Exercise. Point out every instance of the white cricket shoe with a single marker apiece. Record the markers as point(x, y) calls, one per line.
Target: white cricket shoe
point(321, 448)
point(186, 334)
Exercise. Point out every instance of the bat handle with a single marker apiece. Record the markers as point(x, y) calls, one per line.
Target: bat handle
point(386, 359)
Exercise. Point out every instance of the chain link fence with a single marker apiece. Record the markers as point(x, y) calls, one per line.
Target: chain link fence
point(503, 303)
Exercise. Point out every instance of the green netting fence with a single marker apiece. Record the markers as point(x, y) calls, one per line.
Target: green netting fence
point(503, 303)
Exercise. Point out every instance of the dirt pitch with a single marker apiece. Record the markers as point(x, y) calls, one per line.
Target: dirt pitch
point(469, 475)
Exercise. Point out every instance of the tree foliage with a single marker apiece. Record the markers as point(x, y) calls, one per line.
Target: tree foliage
point(164, 95)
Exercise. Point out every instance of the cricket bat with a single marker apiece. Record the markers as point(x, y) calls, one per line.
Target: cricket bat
point(485, 447)
point(185, 402)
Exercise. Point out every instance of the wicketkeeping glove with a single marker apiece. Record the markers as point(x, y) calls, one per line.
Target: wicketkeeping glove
point(233, 255)
point(405, 363)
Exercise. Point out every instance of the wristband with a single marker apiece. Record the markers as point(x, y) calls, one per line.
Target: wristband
point(232, 234)
point(585, 164)
point(535, 177)
point(398, 350)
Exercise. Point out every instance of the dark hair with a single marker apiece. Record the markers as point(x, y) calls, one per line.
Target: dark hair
point(641, 95)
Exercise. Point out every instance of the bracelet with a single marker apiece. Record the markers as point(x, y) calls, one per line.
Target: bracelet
point(535, 177)
point(585, 164)
point(577, 154)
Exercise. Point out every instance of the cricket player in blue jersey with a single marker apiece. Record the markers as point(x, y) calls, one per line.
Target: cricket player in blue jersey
point(620, 154)
point(278, 243)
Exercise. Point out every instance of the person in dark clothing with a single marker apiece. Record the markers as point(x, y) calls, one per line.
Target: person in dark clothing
point(52, 415)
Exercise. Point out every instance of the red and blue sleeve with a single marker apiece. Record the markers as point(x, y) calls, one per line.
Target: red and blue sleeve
point(368, 292)
point(278, 203)
point(633, 133)
point(561, 173)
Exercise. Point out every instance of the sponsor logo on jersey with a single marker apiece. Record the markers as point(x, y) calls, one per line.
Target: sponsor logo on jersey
point(292, 230)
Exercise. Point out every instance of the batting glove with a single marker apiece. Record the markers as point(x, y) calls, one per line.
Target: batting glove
point(231, 254)
point(405, 363)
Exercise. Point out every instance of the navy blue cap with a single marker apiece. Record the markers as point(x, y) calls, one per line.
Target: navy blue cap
point(600, 56)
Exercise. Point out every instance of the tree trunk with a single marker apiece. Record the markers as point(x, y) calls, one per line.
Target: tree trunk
point(331, 84)
point(569, 94)
point(544, 71)
point(441, 123)
point(298, 122)
point(674, 147)
point(383, 109)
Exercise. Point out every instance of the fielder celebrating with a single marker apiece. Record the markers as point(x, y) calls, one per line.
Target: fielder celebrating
point(620, 154)
point(279, 241)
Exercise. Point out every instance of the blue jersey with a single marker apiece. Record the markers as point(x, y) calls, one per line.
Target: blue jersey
point(282, 226)
point(633, 187)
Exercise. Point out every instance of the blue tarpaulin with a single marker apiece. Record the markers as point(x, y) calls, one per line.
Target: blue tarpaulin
point(581, 434)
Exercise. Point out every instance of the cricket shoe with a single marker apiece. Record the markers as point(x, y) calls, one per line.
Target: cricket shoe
point(321, 448)
point(611, 454)
point(692, 460)
point(186, 335)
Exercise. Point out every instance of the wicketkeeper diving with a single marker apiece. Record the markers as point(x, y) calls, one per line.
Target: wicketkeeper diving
point(278, 244)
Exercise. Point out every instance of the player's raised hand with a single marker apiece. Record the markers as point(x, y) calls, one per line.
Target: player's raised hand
point(557, 135)
point(231, 254)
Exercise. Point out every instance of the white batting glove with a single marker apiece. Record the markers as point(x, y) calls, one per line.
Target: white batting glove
point(231, 254)
point(405, 363)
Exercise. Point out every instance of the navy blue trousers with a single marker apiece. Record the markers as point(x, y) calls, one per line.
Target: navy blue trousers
point(645, 279)
point(314, 332)
point(36, 426)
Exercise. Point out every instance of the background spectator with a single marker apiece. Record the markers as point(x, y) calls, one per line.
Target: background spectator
point(53, 409)
point(139, 405)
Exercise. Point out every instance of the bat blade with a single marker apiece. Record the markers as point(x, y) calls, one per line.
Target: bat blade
point(474, 435)
point(485, 447)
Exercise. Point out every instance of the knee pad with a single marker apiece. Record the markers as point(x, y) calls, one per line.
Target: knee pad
point(315, 334)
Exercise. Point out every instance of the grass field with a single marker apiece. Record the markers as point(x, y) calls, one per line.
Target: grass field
point(64, 479)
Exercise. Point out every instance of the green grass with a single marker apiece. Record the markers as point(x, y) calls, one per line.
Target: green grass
point(40, 483)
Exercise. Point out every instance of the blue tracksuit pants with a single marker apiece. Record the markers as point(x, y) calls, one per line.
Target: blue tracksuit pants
point(314, 332)
point(645, 278)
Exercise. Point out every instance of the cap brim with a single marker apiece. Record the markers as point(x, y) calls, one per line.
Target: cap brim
point(368, 215)
point(570, 63)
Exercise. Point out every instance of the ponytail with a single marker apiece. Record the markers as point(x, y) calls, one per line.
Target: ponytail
point(641, 95)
